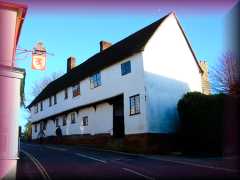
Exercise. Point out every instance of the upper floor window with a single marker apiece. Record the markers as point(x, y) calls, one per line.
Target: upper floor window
point(85, 121)
point(73, 120)
point(57, 122)
point(41, 106)
point(55, 99)
point(134, 104)
point(95, 80)
point(76, 90)
point(64, 120)
point(35, 127)
point(126, 68)
point(36, 108)
point(50, 101)
point(65, 93)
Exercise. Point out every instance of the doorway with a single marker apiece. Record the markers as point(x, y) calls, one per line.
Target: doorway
point(118, 117)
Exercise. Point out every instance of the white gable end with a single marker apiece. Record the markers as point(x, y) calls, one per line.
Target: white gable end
point(168, 54)
point(170, 71)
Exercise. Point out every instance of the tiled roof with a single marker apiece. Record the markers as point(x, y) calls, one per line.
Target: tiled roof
point(117, 52)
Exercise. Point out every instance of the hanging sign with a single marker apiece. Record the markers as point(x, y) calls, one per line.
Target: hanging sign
point(39, 57)
point(39, 61)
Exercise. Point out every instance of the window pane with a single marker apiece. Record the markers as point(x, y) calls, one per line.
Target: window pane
point(95, 80)
point(91, 82)
point(73, 118)
point(126, 68)
point(134, 104)
point(137, 104)
point(50, 101)
point(85, 121)
point(66, 93)
point(64, 120)
point(76, 90)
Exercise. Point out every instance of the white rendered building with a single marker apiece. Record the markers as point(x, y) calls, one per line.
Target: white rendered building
point(128, 88)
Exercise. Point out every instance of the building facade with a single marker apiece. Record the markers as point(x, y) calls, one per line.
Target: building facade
point(11, 86)
point(128, 88)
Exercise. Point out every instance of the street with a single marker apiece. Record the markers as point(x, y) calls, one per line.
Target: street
point(59, 162)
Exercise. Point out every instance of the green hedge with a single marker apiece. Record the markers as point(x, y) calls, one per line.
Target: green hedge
point(201, 123)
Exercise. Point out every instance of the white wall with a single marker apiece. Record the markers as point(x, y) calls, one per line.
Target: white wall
point(113, 83)
point(170, 71)
point(99, 121)
point(10, 82)
point(7, 35)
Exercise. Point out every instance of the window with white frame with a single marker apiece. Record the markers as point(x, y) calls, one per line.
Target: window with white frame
point(55, 99)
point(35, 127)
point(66, 93)
point(50, 101)
point(57, 122)
point(73, 118)
point(85, 121)
point(95, 80)
point(126, 68)
point(64, 123)
point(41, 106)
point(134, 104)
point(76, 90)
point(36, 108)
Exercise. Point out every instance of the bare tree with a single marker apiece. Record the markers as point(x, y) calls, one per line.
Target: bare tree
point(39, 85)
point(225, 76)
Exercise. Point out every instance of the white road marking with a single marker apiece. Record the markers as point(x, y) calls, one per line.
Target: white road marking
point(194, 164)
point(38, 165)
point(138, 173)
point(174, 161)
point(56, 148)
point(89, 157)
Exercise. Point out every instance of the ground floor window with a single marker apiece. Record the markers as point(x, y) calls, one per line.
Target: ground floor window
point(85, 121)
point(57, 122)
point(35, 127)
point(134, 104)
point(73, 118)
point(64, 120)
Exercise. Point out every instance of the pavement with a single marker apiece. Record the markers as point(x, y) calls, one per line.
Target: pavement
point(38, 161)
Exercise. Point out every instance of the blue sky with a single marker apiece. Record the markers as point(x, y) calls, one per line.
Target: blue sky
point(78, 34)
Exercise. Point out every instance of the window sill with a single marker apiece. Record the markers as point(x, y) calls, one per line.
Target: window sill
point(134, 114)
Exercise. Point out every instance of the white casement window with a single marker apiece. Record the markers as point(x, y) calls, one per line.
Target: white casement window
point(85, 121)
point(41, 106)
point(50, 101)
point(36, 108)
point(73, 118)
point(64, 123)
point(65, 93)
point(95, 80)
point(125, 68)
point(55, 99)
point(76, 90)
point(35, 127)
point(57, 122)
point(134, 104)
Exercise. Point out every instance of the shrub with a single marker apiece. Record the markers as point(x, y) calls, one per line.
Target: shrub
point(201, 122)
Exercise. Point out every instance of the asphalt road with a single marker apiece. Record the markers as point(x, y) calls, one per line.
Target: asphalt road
point(69, 162)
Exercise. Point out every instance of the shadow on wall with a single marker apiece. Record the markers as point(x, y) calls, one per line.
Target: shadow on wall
point(163, 94)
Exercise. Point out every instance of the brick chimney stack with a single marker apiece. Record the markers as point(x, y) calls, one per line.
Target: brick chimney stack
point(104, 45)
point(71, 63)
point(204, 78)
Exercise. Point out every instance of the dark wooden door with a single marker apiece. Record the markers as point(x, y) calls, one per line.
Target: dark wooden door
point(118, 118)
